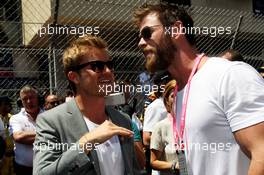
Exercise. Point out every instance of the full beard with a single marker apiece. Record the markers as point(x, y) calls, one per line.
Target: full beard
point(162, 55)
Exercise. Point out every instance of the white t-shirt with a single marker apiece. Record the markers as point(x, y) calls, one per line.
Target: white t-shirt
point(154, 113)
point(137, 121)
point(162, 140)
point(224, 97)
point(23, 152)
point(109, 154)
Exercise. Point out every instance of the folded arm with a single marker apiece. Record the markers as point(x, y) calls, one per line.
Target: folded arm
point(24, 137)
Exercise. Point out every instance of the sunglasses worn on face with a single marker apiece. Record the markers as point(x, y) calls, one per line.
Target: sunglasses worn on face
point(96, 66)
point(147, 31)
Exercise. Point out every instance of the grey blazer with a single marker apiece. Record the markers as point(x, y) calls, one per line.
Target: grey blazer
point(55, 147)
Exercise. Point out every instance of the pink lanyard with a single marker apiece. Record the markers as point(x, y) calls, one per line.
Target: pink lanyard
point(179, 138)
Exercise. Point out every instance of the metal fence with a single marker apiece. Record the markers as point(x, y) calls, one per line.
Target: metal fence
point(35, 32)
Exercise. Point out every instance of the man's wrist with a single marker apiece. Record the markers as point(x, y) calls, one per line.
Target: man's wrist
point(82, 144)
point(86, 144)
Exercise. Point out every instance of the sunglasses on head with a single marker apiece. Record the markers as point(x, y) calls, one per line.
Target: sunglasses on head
point(96, 66)
point(147, 31)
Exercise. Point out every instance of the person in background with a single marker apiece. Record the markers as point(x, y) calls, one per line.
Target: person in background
point(51, 101)
point(69, 95)
point(129, 110)
point(22, 128)
point(145, 81)
point(154, 113)
point(139, 149)
point(232, 55)
point(5, 109)
point(5, 115)
point(163, 151)
point(2, 142)
point(19, 106)
point(261, 71)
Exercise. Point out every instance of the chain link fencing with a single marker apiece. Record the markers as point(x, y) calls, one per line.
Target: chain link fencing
point(35, 32)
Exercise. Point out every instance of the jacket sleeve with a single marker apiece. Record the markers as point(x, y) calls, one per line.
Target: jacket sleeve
point(136, 168)
point(51, 157)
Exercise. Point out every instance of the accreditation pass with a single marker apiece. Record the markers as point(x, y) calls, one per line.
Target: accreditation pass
point(182, 163)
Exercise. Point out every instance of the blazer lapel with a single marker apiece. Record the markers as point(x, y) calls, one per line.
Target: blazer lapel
point(118, 119)
point(75, 121)
point(78, 126)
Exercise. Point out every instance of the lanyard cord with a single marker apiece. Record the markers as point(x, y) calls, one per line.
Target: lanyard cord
point(178, 136)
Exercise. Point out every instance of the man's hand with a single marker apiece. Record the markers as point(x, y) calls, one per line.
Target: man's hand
point(103, 133)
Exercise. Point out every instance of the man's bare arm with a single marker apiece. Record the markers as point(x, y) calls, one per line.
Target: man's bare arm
point(140, 154)
point(251, 141)
point(146, 138)
point(24, 137)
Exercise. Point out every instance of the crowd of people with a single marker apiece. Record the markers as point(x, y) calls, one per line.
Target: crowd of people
point(18, 131)
point(208, 118)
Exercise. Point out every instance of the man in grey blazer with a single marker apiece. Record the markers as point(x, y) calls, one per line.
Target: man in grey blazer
point(83, 136)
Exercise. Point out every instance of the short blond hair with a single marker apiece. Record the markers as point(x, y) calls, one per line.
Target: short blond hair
point(82, 46)
point(73, 54)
